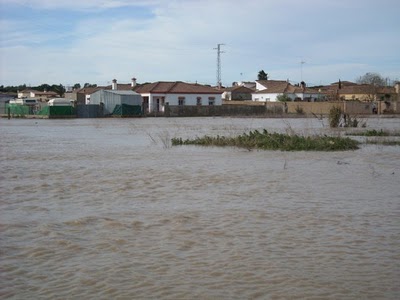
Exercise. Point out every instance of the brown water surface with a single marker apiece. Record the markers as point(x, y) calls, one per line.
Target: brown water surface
point(107, 209)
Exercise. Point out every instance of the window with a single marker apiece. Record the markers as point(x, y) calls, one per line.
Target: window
point(198, 101)
point(181, 101)
point(211, 100)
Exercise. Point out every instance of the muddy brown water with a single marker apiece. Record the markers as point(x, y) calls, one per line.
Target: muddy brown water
point(107, 209)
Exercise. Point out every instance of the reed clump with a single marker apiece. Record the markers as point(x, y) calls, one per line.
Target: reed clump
point(274, 141)
point(375, 132)
point(337, 118)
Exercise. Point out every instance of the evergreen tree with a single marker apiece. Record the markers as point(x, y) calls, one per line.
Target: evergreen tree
point(262, 75)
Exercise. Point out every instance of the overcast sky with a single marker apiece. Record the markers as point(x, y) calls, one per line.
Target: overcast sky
point(95, 41)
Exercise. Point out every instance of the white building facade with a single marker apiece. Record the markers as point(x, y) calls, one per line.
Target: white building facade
point(159, 94)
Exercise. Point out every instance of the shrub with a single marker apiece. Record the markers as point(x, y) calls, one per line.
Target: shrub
point(335, 114)
point(274, 141)
point(283, 98)
point(338, 119)
point(299, 110)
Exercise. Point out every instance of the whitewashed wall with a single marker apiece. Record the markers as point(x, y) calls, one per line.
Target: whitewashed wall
point(270, 97)
point(173, 100)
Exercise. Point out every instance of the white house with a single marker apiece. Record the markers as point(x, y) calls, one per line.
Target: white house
point(156, 95)
point(269, 90)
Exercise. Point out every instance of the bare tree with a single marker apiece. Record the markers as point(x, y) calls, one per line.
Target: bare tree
point(373, 79)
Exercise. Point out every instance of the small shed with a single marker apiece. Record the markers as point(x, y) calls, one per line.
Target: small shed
point(117, 102)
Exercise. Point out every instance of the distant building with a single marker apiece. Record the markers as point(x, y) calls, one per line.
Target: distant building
point(361, 92)
point(237, 93)
point(39, 95)
point(269, 90)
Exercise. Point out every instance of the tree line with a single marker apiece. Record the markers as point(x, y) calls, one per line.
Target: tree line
point(57, 88)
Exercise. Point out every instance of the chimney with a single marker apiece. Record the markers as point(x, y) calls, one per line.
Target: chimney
point(114, 85)
point(303, 85)
point(397, 87)
point(133, 82)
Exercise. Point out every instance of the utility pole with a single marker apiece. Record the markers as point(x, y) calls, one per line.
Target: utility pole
point(219, 84)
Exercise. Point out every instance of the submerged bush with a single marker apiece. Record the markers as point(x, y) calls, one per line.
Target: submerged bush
point(374, 132)
point(335, 114)
point(274, 141)
point(299, 110)
point(339, 119)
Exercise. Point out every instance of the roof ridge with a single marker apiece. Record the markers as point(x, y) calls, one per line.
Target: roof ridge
point(157, 83)
point(172, 86)
point(287, 87)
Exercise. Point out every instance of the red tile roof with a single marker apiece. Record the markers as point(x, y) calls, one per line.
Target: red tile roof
point(91, 90)
point(175, 87)
point(43, 93)
point(123, 86)
point(359, 89)
point(280, 87)
point(238, 89)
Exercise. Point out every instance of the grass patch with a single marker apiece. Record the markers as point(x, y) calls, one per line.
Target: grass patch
point(274, 141)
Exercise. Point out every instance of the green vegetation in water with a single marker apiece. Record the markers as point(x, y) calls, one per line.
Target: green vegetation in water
point(374, 132)
point(339, 119)
point(274, 141)
point(383, 142)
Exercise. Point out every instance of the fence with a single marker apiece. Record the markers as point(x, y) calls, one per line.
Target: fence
point(229, 108)
point(271, 109)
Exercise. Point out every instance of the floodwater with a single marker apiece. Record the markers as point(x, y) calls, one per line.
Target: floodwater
point(107, 209)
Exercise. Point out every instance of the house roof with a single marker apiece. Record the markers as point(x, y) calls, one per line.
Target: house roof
point(238, 89)
point(281, 87)
point(272, 83)
point(366, 89)
point(91, 90)
point(175, 87)
point(49, 93)
point(121, 92)
point(123, 86)
point(299, 90)
point(273, 86)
